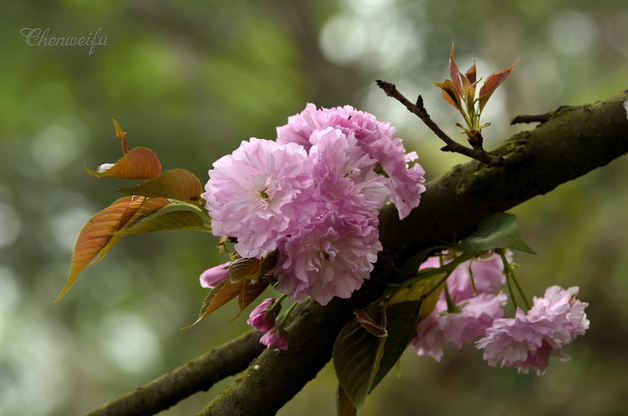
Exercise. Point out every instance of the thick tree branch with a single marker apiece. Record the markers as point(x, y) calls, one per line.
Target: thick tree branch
point(195, 376)
point(571, 143)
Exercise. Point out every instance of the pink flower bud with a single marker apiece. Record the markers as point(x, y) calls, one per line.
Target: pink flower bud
point(276, 339)
point(213, 276)
point(260, 318)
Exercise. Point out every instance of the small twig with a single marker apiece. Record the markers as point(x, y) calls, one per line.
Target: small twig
point(531, 118)
point(419, 110)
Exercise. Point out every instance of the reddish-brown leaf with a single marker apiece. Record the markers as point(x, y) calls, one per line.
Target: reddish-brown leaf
point(219, 296)
point(449, 93)
point(471, 73)
point(125, 146)
point(249, 293)
point(492, 82)
point(174, 184)
point(454, 72)
point(369, 324)
point(95, 239)
point(95, 236)
point(139, 163)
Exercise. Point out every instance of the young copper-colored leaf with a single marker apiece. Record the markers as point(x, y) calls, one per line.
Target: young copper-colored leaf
point(492, 82)
point(449, 93)
point(252, 269)
point(174, 184)
point(219, 296)
point(125, 146)
point(249, 293)
point(139, 163)
point(454, 72)
point(96, 235)
point(369, 324)
point(471, 73)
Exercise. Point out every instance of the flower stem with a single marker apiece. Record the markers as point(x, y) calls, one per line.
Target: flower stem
point(287, 314)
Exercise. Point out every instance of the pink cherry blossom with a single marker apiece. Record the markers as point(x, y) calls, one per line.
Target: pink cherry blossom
point(261, 318)
point(376, 139)
point(331, 256)
point(529, 340)
point(474, 316)
point(259, 193)
point(211, 277)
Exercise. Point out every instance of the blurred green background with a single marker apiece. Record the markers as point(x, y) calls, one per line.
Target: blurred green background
point(190, 80)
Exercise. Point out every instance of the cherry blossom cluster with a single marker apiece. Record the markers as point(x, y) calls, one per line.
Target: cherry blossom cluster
point(473, 313)
point(527, 340)
point(314, 195)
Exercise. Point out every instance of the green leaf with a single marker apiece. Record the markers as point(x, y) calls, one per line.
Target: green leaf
point(173, 184)
point(497, 231)
point(357, 354)
point(173, 220)
point(344, 407)
point(417, 291)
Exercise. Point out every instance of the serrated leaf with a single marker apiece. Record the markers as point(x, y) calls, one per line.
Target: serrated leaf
point(495, 232)
point(219, 296)
point(344, 407)
point(357, 354)
point(249, 293)
point(139, 163)
point(226, 291)
point(96, 235)
point(492, 82)
point(168, 221)
point(173, 184)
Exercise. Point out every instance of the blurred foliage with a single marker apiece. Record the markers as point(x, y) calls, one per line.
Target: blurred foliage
point(191, 80)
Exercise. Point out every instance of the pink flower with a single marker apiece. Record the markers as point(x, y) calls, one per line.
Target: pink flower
point(529, 340)
point(331, 256)
point(344, 175)
point(260, 193)
point(375, 138)
point(475, 316)
point(275, 339)
point(211, 277)
point(261, 318)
